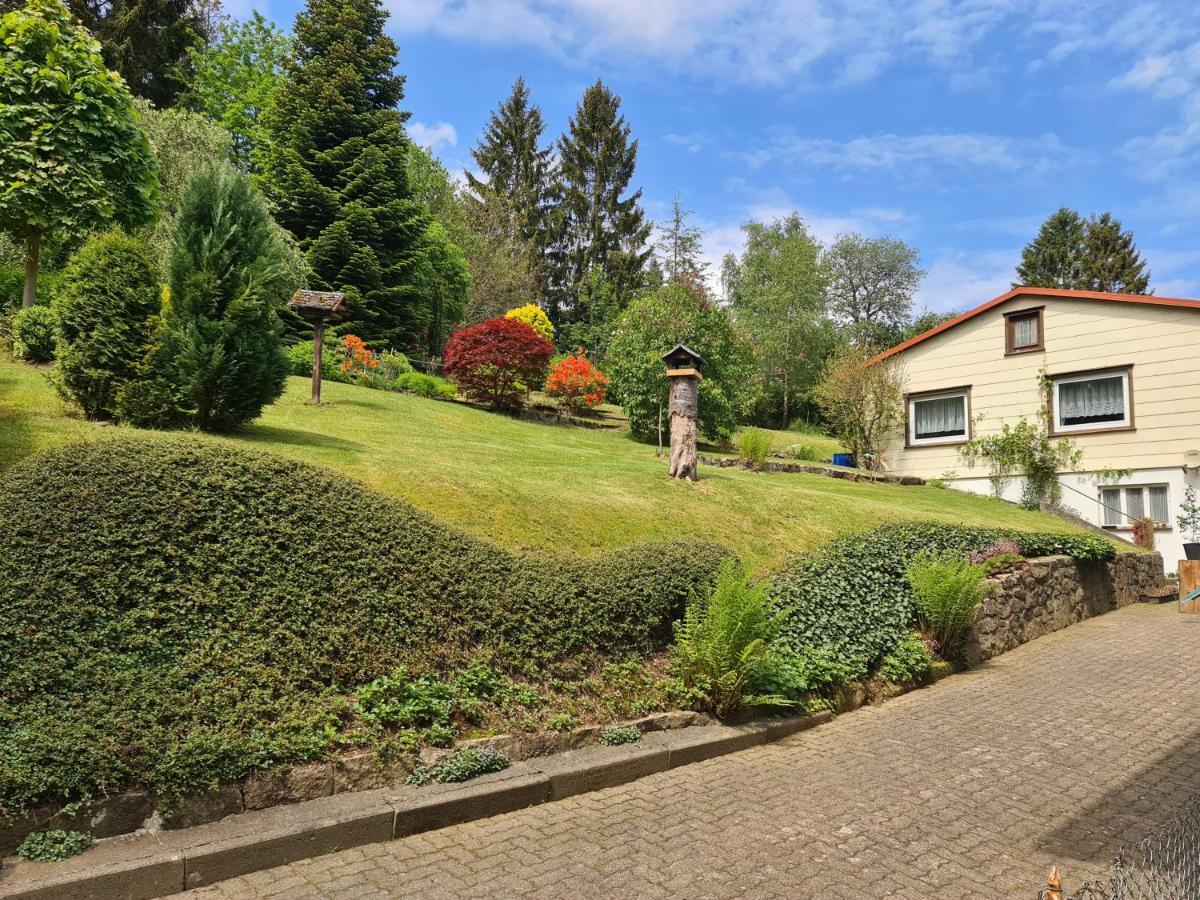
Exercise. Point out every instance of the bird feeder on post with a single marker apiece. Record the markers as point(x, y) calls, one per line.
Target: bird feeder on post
point(320, 308)
point(683, 372)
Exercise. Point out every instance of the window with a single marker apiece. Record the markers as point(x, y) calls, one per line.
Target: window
point(1120, 506)
point(1023, 331)
point(1094, 401)
point(940, 418)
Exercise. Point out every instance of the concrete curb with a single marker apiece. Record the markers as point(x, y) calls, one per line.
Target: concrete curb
point(154, 864)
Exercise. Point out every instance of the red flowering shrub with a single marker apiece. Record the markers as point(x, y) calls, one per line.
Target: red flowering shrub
point(495, 360)
point(576, 383)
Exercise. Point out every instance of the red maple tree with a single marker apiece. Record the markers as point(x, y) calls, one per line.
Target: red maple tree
point(496, 361)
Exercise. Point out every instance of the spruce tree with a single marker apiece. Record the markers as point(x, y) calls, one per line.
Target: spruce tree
point(602, 226)
point(518, 172)
point(1054, 258)
point(1111, 262)
point(681, 247)
point(221, 338)
point(335, 167)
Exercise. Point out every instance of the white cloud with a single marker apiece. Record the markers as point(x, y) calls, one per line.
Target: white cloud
point(959, 281)
point(432, 136)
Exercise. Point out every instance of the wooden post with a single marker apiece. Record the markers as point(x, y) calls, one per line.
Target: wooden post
point(685, 396)
point(318, 344)
point(1189, 581)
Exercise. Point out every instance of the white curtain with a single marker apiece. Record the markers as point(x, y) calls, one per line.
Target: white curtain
point(1158, 503)
point(1111, 500)
point(1025, 331)
point(943, 417)
point(1098, 399)
point(1134, 505)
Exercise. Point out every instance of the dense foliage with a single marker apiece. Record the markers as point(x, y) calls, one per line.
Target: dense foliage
point(53, 845)
point(949, 590)
point(33, 334)
point(863, 402)
point(855, 599)
point(104, 305)
point(535, 317)
point(1093, 254)
point(576, 383)
point(72, 156)
point(175, 612)
point(653, 325)
point(498, 361)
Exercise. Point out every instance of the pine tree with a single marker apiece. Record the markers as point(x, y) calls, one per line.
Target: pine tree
point(1054, 258)
point(1111, 262)
point(518, 172)
point(336, 168)
point(601, 225)
point(146, 41)
point(680, 248)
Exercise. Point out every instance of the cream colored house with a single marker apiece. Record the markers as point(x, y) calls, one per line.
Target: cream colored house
point(1124, 376)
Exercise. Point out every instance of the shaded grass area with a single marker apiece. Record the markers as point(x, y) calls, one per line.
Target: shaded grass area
point(525, 485)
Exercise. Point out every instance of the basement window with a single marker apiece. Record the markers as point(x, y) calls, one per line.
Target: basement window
point(1120, 506)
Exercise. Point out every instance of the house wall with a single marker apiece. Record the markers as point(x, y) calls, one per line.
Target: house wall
point(1160, 343)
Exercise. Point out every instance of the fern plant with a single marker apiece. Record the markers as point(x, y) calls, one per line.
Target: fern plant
point(949, 590)
point(722, 641)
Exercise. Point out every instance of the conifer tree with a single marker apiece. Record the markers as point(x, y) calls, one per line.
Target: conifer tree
point(1111, 262)
point(518, 172)
point(603, 226)
point(335, 167)
point(680, 247)
point(1055, 257)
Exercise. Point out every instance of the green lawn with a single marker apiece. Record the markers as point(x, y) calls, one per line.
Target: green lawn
point(526, 485)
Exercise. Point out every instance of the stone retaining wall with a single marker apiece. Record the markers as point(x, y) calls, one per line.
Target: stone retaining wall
point(1046, 594)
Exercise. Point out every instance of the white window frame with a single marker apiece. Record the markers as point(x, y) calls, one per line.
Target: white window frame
point(1124, 422)
point(1122, 517)
point(911, 425)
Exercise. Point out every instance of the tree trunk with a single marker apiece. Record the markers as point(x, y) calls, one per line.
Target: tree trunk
point(660, 426)
point(33, 250)
point(785, 401)
point(684, 405)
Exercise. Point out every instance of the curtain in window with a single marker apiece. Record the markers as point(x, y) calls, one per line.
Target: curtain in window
point(944, 417)
point(1134, 505)
point(1025, 331)
point(1110, 498)
point(1158, 503)
point(1094, 400)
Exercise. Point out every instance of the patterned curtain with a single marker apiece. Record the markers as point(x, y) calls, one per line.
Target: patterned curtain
point(1095, 400)
point(944, 417)
point(1025, 331)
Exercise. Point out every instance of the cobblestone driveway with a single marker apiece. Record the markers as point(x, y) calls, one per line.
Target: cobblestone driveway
point(1055, 752)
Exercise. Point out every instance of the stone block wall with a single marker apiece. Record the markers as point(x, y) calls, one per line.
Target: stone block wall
point(1052, 592)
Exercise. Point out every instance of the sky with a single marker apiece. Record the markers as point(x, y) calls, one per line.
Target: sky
point(955, 126)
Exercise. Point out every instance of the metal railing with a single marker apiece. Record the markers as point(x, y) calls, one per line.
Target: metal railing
point(1163, 866)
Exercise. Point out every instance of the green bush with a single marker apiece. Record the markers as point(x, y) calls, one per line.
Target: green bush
point(909, 662)
point(423, 385)
point(176, 612)
point(796, 675)
point(300, 361)
point(463, 765)
point(722, 640)
point(949, 589)
point(753, 446)
point(392, 364)
point(33, 334)
point(854, 596)
point(805, 452)
point(615, 735)
point(54, 845)
point(104, 306)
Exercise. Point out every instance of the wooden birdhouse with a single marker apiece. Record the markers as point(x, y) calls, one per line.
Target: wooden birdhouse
point(683, 371)
point(320, 308)
point(682, 361)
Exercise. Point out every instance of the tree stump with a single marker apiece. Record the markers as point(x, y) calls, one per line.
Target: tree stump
point(685, 397)
point(1189, 580)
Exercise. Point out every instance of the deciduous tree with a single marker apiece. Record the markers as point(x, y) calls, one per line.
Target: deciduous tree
point(871, 285)
point(496, 362)
point(73, 157)
point(862, 401)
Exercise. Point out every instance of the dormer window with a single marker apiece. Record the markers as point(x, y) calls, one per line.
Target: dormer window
point(1023, 331)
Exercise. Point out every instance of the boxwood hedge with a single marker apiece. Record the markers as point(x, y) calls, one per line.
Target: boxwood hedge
point(175, 612)
point(854, 596)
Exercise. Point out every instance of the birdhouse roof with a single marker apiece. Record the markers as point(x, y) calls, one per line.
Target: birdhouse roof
point(319, 305)
point(680, 350)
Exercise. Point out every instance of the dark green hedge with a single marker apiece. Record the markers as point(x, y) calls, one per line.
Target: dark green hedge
point(174, 611)
point(854, 596)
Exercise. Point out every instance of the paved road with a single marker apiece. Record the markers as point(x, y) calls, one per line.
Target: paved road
point(1055, 752)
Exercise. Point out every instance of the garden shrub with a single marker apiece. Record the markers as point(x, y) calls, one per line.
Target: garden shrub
point(796, 675)
point(429, 386)
point(576, 383)
point(54, 845)
point(392, 364)
point(949, 590)
point(33, 334)
point(177, 612)
point(854, 596)
point(463, 765)
point(805, 452)
point(300, 361)
point(104, 305)
point(908, 662)
point(535, 317)
point(753, 446)
point(496, 361)
point(722, 640)
point(615, 735)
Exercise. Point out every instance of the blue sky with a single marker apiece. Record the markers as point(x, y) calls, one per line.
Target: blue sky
point(957, 126)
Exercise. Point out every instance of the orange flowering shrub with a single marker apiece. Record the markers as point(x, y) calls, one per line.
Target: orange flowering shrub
point(358, 360)
point(576, 383)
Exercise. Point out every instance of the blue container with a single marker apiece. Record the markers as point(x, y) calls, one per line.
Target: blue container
point(844, 459)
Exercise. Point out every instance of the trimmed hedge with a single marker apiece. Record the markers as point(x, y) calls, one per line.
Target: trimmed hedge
point(854, 596)
point(176, 612)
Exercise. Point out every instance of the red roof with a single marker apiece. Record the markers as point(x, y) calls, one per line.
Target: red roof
point(1016, 292)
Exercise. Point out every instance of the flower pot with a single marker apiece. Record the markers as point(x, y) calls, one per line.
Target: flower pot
point(1191, 551)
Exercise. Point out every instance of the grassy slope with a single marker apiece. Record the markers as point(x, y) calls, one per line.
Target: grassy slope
point(526, 485)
